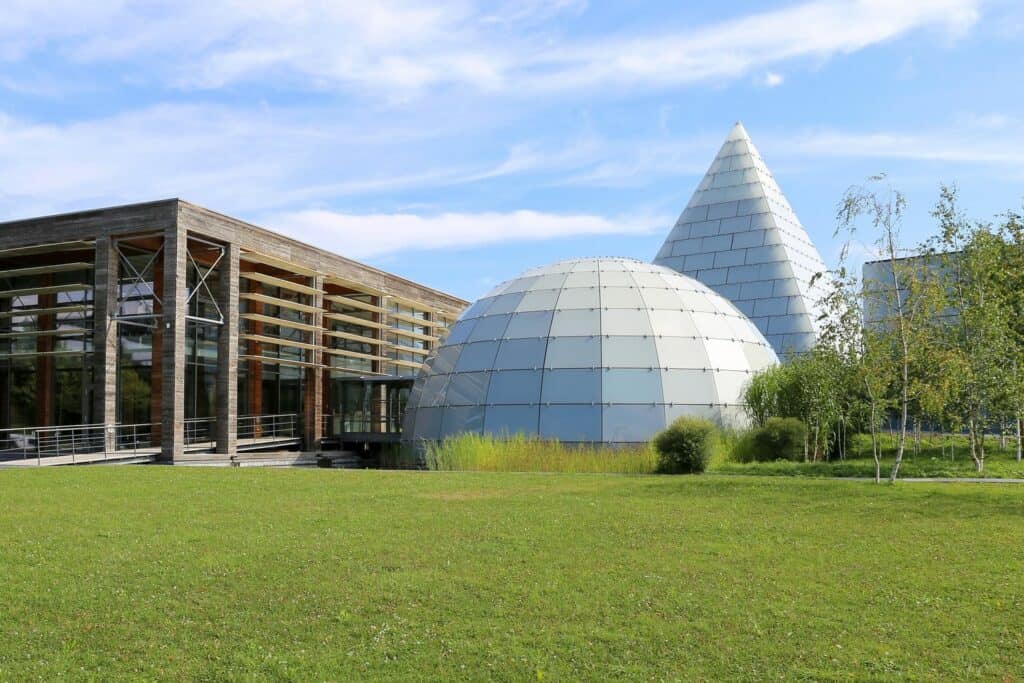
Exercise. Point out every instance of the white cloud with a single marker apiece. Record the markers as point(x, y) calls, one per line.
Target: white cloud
point(399, 48)
point(773, 79)
point(362, 236)
point(984, 144)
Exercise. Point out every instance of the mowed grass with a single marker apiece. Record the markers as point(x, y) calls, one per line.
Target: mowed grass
point(159, 572)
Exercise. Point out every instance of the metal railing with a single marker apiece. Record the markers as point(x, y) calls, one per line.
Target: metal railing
point(200, 430)
point(282, 426)
point(92, 442)
point(36, 443)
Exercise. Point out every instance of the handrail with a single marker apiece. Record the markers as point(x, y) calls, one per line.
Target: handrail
point(102, 441)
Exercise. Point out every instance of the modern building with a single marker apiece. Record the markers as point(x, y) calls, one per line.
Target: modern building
point(597, 350)
point(739, 236)
point(167, 329)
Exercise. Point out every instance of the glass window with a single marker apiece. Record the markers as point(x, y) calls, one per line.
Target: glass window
point(462, 420)
point(581, 279)
point(478, 309)
point(632, 424)
point(681, 352)
point(730, 386)
point(538, 300)
point(696, 301)
point(506, 303)
point(662, 298)
point(510, 420)
point(625, 321)
point(620, 297)
point(579, 297)
point(616, 279)
point(529, 324)
point(428, 423)
point(573, 352)
point(460, 331)
point(672, 323)
point(726, 355)
point(629, 385)
point(520, 285)
point(689, 386)
point(520, 354)
point(515, 386)
point(758, 356)
point(576, 323)
point(678, 410)
point(629, 352)
point(443, 362)
point(553, 280)
point(712, 326)
point(572, 386)
point(570, 423)
point(477, 356)
point(434, 388)
point(489, 327)
point(467, 388)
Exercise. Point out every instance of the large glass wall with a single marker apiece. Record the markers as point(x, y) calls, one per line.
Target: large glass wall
point(46, 355)
point(139, 333)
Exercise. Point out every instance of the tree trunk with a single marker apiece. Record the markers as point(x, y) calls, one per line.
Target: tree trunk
point(874, 444)
point(1018, 436)
point(904, 409)
point(973, 437)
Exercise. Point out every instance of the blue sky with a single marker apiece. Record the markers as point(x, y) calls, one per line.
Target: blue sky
point(458, 143)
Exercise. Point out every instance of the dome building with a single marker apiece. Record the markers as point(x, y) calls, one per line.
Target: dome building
point(599, 350)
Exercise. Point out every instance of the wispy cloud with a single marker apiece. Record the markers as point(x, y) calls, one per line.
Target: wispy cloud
point(374, 234)
point(401, 48)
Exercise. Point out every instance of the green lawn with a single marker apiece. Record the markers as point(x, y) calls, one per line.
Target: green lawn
point(159, 572)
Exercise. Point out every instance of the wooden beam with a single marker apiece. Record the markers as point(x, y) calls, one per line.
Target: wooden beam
point(354, 303)
point(279, 282)
point(356, 338)
point(274, 262)
point(52, 289)
point(270, 320)
point(341, 317)
point(283, 303)
point(47, 248)
point(278, 341)
point(39, 270)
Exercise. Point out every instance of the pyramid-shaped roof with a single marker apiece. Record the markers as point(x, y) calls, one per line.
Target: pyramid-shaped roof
point(739, 236)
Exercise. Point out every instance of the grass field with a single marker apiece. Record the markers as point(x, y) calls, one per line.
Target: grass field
point(159, 572)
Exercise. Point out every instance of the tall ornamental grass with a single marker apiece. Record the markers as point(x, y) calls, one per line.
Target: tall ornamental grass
point(520, 453)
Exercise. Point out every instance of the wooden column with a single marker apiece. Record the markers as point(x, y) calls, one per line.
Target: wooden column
point(104, 337)
point(44, 363)
point(172, 371)
point(156, 378)
point(313, 389)
point(227, 353)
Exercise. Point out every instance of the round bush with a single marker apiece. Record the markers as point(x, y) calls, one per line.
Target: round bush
point(781, 438)
point(684, 447)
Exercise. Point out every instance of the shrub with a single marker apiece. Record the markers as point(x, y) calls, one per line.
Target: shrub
point(684, 447)
point(781, 438)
